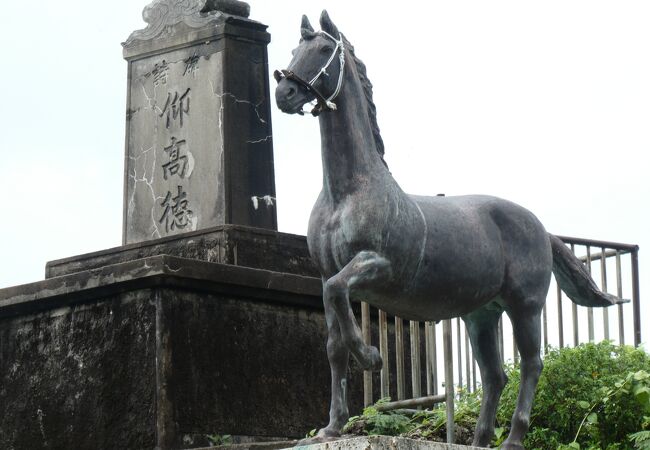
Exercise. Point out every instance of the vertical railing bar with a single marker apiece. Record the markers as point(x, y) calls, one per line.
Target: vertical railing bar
point(367, 375)
point(428, 345)
point(434, 340)
point(501, 345)
point(415, 359)
point(515, 350)
point(399, 358)
point(590, 310)
point(459, 354)
point(449, 379)
point(545, 328)
point(603, 287)
point(574, 313)
point(560, 318)
point(474, 382)
point(636, 300)
point(619, 293)
point(383, 351)
point(468, 369)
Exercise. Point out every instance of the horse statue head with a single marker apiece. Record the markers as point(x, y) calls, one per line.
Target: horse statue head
point(316, 71)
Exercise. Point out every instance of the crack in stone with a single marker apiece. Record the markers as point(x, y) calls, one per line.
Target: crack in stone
point(260, 141)
point(173, 270)
point(149, 182)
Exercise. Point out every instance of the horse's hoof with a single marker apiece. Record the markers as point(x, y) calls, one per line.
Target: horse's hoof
point(511, 446)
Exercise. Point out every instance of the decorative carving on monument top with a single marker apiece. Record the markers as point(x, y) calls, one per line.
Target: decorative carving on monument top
point(162, 15)
point(234, 7)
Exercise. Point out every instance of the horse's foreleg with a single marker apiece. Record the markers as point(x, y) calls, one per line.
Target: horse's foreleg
point(367, 269)
point(338, 356)
point(527, 333)
point(482, 326)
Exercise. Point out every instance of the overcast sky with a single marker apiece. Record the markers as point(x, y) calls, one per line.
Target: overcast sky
point(543, 103)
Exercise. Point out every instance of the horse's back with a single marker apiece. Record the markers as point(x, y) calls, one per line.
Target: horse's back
point(475, 244)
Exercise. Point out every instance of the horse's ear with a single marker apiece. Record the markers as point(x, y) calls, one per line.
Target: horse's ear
point(305, 27)
point(327, 25)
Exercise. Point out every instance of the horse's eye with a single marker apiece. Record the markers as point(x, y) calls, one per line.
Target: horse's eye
point(326, 49)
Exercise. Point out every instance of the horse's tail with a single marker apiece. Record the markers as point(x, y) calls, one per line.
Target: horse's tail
point(575, 281)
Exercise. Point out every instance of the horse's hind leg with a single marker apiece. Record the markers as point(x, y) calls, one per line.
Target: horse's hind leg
point(482, 327)
point(527, 333)
point(366, 269)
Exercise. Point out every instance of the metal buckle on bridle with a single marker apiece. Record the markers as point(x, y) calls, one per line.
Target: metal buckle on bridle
point(323, 103)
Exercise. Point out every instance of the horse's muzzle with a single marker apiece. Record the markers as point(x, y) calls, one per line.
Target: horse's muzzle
point(289, 98)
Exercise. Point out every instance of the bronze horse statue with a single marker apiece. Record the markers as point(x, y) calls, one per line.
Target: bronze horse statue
point(420, 258)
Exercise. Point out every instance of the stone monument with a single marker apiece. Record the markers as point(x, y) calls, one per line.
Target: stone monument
point(199, 148)
point(207, 320)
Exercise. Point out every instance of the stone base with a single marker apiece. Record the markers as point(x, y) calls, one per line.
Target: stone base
point(129, 348)
point(352, 443)
point(383, 443)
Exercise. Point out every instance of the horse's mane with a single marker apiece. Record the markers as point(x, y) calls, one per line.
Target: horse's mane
point(367, 90)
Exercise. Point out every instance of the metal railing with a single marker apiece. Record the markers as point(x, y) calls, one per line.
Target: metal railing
point(612, 269)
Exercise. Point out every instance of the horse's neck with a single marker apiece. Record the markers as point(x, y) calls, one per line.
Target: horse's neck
point(348, 147)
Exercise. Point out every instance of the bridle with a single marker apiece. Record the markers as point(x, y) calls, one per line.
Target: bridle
point(323, 103)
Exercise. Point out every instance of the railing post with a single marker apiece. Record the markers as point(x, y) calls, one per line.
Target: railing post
point(501, 345)
point(603, 287)
point(545, 328)
point(367, 375)
point(636, 300)
point(383, 351)
point(416, 375)
point(459, 354)
point(449, 379)
point(619, 293)
point(399, 358)
point(560, 317)
point(574, 313)
point(590, 310)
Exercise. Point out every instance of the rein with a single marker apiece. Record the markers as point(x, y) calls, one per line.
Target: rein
point(323, 103)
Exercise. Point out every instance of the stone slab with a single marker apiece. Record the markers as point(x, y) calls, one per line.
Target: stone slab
point(229, 244)
point(383, 443)
point(270, 445)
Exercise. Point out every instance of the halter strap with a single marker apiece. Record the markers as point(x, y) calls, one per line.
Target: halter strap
point(324, 104)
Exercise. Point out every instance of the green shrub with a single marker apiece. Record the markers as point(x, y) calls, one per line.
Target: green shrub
point(594, 396)
point(590, 388)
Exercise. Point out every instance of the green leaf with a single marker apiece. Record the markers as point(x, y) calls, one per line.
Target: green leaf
point(592, 418)
point(498, 432)
point(641, 375)
point(583, 404)
point(574, 445)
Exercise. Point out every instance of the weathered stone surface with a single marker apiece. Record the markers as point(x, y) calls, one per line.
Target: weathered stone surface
point(80, 377)
point(199, 143)
point(269, 445)
point(228, 244)
point(384, 443)
point(143, 353)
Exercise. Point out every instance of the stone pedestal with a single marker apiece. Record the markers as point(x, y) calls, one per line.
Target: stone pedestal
point(128, 348)
point(199, 150)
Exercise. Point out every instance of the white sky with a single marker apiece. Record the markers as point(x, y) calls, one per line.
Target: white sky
point(544, 103)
